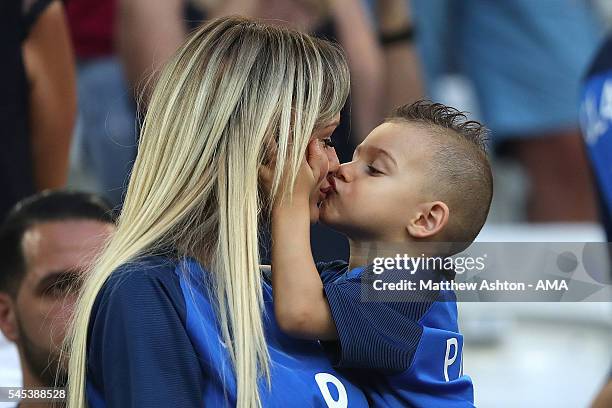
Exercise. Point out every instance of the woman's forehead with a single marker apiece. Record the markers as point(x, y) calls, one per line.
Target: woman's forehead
point(334, 122)
point(326, 129)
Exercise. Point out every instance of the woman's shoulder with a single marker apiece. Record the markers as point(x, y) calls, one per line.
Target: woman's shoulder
point(148, 284)
point(138, 335)
point(153, 283)
point(141, 271)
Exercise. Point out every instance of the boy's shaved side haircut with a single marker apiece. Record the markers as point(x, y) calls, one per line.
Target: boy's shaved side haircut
point(458, 162)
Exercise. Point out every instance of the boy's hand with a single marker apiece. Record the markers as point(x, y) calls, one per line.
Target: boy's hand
point(312, 169)
point(300, 305)
point(318, 161)
point(309, 175)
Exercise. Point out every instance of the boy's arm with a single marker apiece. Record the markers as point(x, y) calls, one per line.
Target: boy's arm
point(299, 301)
point(300, 305)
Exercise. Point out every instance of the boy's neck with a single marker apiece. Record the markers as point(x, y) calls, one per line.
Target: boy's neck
point(358, 254)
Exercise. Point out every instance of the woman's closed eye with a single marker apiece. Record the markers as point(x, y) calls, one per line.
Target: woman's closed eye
point(328, 142)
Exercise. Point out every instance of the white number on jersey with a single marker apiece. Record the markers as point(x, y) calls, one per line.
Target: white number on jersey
point(323, 379)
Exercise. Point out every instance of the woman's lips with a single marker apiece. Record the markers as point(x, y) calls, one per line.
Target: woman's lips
point(326, 192)
point(321, 199)
point(329, 188)
point(323, 193)
point(332, 183)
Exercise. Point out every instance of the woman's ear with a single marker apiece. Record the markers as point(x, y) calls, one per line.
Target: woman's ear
point(270, 151)
point(430, 219)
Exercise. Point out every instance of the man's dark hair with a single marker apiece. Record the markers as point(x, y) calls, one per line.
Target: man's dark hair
point(48, 206)
point(459, 163)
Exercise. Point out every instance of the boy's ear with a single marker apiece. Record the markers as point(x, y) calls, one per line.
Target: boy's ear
point(430, 219)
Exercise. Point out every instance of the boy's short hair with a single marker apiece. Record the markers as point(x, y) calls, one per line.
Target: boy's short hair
point(459, 165)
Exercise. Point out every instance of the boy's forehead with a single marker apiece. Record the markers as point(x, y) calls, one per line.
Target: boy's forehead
point(403, 139)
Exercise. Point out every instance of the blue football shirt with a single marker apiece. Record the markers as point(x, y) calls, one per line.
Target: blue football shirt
point(153, 341)
point(404, 351)
point(596, 123)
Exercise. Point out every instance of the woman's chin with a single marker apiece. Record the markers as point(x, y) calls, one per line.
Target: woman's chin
point(321, 212)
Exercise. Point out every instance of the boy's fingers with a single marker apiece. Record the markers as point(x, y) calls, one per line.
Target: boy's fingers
point(308, 169)
point(317, 160)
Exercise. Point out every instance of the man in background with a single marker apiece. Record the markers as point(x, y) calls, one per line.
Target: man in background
point(47, 243)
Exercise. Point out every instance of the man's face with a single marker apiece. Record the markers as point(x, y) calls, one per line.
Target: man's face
point(57, 254)
point(377, 193)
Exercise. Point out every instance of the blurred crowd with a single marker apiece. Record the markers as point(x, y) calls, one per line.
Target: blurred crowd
point(80, 73)
point(83, 70)
point(77, 75)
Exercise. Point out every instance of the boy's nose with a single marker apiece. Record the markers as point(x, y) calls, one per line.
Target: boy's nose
point(344, 172)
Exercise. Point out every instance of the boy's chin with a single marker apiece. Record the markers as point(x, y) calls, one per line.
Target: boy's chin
point(330, 219)
point(333, 220)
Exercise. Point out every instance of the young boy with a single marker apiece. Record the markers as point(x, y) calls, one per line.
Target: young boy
point(421, 177)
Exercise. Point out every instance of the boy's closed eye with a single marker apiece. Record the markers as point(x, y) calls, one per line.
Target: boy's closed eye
point(374, 171)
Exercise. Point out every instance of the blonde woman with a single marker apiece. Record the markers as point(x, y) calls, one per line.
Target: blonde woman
point(176, 311)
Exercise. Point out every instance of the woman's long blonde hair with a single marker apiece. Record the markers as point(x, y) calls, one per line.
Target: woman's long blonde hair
point(236, 90)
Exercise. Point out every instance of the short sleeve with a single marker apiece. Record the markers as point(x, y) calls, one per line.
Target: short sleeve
point(330, 271)
point(373, 334)
point(139, 353)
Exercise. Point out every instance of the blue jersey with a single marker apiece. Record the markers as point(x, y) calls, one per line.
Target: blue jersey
point(413, 345)
point(596, 123)
point(154, 341)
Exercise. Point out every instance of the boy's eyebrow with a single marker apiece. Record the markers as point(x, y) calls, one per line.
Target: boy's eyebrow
point(377, 150)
